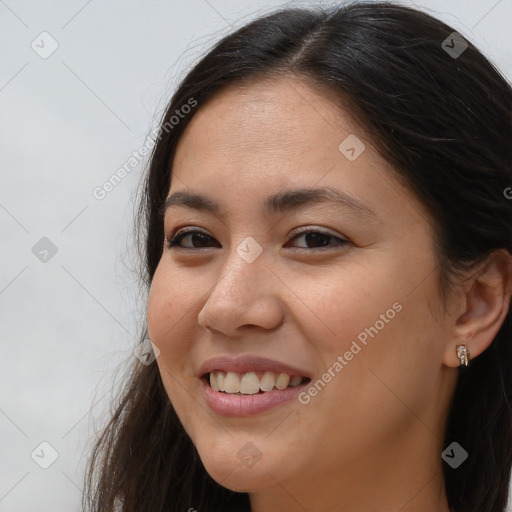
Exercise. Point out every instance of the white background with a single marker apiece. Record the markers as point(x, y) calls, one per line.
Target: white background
point(67, 124)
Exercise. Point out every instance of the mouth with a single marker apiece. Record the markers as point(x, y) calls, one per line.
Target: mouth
point(251, 383)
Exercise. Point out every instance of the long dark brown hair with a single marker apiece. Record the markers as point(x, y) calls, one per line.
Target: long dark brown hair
point(445, 123)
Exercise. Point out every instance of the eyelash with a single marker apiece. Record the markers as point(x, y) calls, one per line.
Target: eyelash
point(173, 242)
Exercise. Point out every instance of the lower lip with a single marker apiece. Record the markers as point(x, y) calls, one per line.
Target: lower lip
point(248, 405)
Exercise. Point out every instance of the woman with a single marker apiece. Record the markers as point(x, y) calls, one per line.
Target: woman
point(328, 240)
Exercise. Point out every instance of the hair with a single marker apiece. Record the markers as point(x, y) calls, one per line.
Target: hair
point(445, 125)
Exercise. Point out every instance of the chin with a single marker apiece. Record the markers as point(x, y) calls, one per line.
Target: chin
point(244, 479)
point(237, 475)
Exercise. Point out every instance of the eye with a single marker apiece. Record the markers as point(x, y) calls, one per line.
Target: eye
point(192, 236)
point(195, 239)
point(318, 239)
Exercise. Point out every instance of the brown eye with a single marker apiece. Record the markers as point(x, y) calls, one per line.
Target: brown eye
point(318, 239)
point(195, 240)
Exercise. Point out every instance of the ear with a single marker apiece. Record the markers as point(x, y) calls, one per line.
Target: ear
point(485, 304)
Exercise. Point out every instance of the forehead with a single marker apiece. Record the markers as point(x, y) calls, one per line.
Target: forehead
point(276, 129)
point(268, 118)
point(258, 138)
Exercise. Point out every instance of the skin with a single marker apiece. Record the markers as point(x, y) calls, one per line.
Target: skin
point(371, 439)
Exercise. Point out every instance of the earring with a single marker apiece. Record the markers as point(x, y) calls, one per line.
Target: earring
point(463, 354)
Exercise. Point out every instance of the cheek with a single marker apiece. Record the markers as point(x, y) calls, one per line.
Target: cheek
point(169, 303)
point(171, 307)
point(386, 335)
point(339, 307)
point(170, 300)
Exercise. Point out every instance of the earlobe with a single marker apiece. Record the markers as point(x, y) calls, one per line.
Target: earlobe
point(487, 302)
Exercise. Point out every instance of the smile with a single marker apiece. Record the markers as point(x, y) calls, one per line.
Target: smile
point(251, 383)
point(248, 385)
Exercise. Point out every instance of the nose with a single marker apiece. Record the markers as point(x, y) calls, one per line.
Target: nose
point(245, 295)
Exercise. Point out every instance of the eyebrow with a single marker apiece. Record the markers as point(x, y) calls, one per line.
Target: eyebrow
point(288, 200)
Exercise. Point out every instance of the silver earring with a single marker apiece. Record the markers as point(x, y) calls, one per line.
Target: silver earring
point(463, 355)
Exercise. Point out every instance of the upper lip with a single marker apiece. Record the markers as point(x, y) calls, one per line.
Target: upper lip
point(249, 363)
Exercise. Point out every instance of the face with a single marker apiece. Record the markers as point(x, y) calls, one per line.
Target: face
point(335, 289)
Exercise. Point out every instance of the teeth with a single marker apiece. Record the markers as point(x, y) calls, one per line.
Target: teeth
point(214, 381)
point(231, 383)
point(295, 380)
point(221, 378)
point(268, 381)
point(249, 383)
point(282, 381)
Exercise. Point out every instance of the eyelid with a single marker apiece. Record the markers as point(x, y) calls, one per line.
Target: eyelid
point(316, 229)
point(188, 229)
